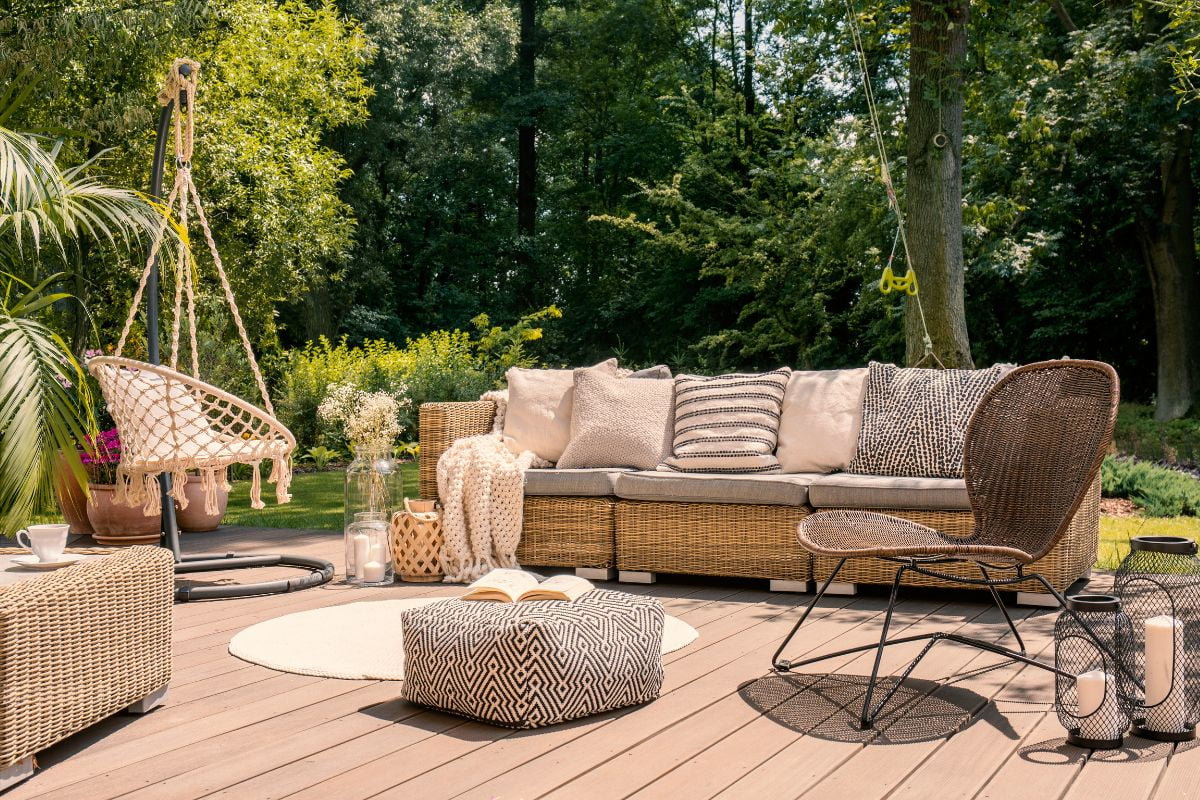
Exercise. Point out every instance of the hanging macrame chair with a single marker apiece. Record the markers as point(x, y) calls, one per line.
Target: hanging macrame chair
point(171, 421)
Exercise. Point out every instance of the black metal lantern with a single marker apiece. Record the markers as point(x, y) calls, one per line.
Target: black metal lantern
point(1093, 690)
point(1159, 586)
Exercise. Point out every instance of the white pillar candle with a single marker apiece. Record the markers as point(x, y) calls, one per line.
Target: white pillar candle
point(1099, 715)
point(362, 553)
point(1165, 701)
point(372, 572)
point(379, 550)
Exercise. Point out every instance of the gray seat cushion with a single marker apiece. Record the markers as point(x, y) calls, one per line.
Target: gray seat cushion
point(849, 490)
point(763, 490)
point(571, 482)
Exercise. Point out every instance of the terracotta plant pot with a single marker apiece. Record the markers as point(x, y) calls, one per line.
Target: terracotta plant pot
point(118, 524)
point(193, 519)
point(72, 501)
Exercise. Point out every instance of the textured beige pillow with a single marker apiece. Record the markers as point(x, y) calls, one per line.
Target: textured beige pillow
point(619, 422)
point(822, 414)
point(538, 417)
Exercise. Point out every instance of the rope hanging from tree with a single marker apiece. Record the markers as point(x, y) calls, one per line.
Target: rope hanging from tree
point(888, 281)
point(170, 421)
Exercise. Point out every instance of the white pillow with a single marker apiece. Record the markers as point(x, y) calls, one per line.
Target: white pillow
point(822, 415)
point(619, 422)
point(539, 409)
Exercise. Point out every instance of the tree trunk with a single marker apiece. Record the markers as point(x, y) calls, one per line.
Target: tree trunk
point(1169, 251)
point(527, 128)
point(748, 58)
point(935, 111)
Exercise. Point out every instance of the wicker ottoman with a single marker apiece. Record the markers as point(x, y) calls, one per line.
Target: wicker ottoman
point(537, 663)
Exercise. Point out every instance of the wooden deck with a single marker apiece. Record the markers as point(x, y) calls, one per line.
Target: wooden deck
point(962, 727)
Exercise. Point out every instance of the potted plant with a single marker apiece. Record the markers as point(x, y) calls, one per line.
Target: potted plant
point(45, 406)
point(194, 519)
point(113, 522)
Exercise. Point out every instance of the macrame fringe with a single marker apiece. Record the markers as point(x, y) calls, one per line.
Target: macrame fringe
point(256, 501)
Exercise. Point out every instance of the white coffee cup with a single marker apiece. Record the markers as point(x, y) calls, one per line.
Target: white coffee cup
point(47, 542)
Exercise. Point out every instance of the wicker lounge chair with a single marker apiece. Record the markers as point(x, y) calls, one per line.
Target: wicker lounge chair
point(1033, 449)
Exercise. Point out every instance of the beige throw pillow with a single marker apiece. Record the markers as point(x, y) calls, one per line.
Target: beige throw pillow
point(619, 422)
point(538, 417)
point(727, 423)
point(822, 414)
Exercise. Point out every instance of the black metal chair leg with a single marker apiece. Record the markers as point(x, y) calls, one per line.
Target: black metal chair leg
point(866, 718)
point(783, 666)
point(1003, 610)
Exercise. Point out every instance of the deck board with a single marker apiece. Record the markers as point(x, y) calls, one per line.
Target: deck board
point(723, 726)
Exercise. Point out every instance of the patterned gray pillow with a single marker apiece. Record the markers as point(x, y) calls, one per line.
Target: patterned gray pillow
point(727, 423)
point(915, 420)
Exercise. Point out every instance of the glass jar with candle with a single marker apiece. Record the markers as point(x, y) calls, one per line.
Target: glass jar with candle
point(1159, 586)
point(368, 550)
point(1093, 692)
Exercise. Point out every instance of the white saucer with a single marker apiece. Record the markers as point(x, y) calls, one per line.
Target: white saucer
point(31, 561)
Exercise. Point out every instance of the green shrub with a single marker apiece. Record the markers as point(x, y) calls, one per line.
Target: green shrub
point(1138, 434)
point(1161, 492)
point(438, 366)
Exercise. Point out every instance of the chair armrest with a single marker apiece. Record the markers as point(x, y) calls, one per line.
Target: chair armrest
point(439, 425)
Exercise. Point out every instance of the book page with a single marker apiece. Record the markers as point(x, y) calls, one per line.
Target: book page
point(504, 585)
point(560, 587)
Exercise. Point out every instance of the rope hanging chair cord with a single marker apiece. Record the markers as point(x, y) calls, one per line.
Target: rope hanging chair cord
point(168, 421)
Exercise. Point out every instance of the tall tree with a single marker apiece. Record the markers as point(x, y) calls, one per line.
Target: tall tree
point(527, 128)
point(935, 136)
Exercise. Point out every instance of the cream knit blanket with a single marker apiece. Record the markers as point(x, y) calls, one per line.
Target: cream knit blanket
point(481, 484)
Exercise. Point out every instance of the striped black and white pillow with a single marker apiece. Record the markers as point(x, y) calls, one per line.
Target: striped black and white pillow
point(915, 420)
point(727, 423)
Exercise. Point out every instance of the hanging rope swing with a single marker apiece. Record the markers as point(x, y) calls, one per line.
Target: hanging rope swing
point(889, 281)
point(170, 421)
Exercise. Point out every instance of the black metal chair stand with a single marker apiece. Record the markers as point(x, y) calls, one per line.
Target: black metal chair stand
point(318, 571)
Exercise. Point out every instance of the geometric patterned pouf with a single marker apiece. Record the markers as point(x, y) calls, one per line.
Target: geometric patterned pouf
point(536, 663)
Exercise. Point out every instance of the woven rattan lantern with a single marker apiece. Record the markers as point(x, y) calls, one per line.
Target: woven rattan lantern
point(1092, 698)
point(416, 534)
point(1159, 586)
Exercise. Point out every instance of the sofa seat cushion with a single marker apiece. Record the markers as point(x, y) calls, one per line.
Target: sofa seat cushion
point(849, 490)
point(572, 482)
point(760, 490)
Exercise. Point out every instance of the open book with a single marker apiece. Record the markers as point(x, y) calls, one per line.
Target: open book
point(514, 585)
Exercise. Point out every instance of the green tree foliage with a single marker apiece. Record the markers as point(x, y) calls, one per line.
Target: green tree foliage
point(276, 78)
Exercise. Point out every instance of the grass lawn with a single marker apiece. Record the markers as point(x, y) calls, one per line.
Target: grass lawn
point(317, 504)
point(316, 501)
point(1115, 533)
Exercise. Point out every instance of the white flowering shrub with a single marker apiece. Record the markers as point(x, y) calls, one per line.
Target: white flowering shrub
point(368, 420)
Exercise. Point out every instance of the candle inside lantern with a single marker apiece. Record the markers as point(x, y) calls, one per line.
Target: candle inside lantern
point(1099, 715)
point(362, 554)
point(1166, 706)
point(372, 572)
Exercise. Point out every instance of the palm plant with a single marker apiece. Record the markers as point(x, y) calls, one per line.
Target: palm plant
point(44, 403)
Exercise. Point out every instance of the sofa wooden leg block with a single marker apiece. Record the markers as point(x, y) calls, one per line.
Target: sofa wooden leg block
point(842, 589)
point(800, 587)
point(595, 573)
point(148, 703)
point(13, 774)
point(631, 576)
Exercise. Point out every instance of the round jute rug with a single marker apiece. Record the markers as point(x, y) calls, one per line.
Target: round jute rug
point(359, 641)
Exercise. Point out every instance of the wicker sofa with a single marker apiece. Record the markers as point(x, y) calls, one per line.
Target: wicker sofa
point(78, 645)
point(641, 524)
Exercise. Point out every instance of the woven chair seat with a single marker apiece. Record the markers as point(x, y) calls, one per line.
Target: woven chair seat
point(171, 422)
point(864, 534)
